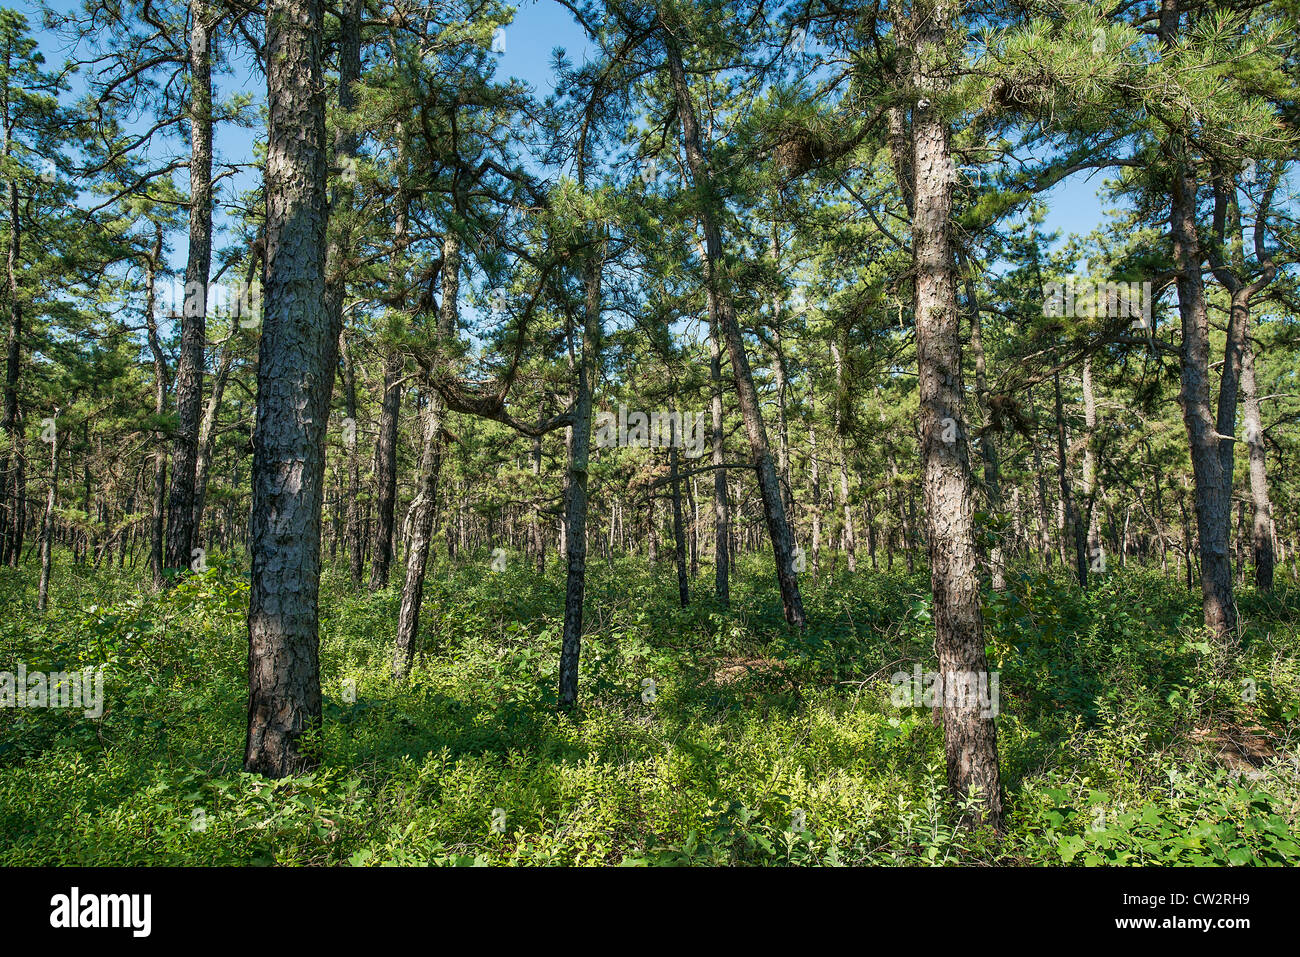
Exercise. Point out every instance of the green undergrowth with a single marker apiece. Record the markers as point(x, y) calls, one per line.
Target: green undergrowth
point(705, 735)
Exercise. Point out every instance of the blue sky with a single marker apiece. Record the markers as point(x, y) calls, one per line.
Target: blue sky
point(538, 28)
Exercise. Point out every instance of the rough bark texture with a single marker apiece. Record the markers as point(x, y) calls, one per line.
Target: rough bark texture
point(11, 470)
point(189, 371)
point(1212, 492)
point(158, 511)
point(970, 738)
point(987, 439)
point(1199, 419)
point(575, 519)
point(424, 507)
point(295, 376)
point(386, 472)
point(1262, 516)
point(746, 394)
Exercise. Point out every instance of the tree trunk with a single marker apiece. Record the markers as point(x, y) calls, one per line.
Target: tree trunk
point(189, 371)
point(295, 377)
point(386, 471)
point(970, 737)
point(1091, 485)
point(158, 510)
point(988, 439)
point(576, 496)
point(14, 481)
point(746, 394)
point(424, 506)
point(1262, 523)
point(848, 537)
point(1071, 528)
point(47, 527)
point(721, 505)
point(1212, 501)
point(679, 534)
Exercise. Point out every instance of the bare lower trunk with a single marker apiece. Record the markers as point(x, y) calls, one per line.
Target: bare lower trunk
point(47, 528)
point(1262, 519)
point(721, 506)
point(988, 438)
point(746, 394)
point(1072, 530)
point(849, 537)
point(386, 472)
point(679, 535)
point(1199, 419)
point(158, 510)
point(1091, 486)
point(970, 737)
point(576, 497)
point(425, 505)
point(189, 372)
point(295, 376)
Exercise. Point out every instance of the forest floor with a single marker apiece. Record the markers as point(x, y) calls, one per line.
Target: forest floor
point(705, 735)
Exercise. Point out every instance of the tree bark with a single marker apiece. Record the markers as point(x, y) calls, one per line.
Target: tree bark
point(1199, 419)
point(189, 371)
point(345, 151)
point(1262, 517)
point(47, 527)
point(424, 507)
point(576, 495)
point(295, 377)
point(988, 439)
point(14, 480)
point(970, 737)
point(1071, 528)
point(386, 471)
point(158, 510)
point(849, 537)
point(746, 395)
point(679, 535)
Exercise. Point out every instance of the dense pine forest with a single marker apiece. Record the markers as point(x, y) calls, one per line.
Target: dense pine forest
point(650, 432)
